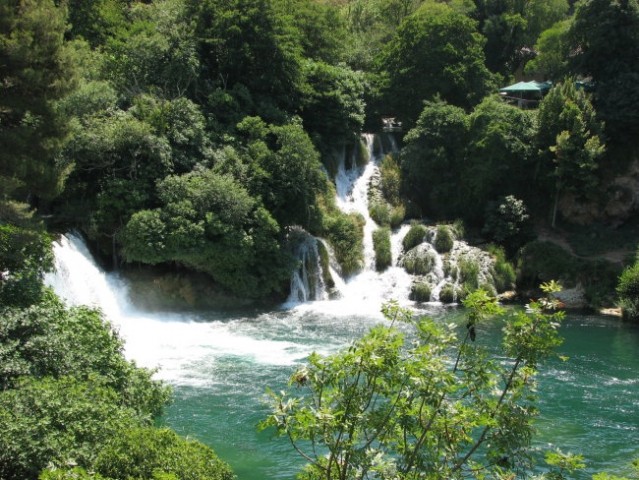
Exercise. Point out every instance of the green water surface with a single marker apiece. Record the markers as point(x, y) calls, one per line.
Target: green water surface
point(589, 404)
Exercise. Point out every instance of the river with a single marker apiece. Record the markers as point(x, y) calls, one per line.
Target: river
point(220, 364)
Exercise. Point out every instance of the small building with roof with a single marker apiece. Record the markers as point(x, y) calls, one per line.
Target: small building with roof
point(525, 94)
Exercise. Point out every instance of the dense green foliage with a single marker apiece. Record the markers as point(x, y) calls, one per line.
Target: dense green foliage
point(628, 291)
point(414, 236)
point(431, 403)
point(382, 246)
point(436, 51)
point(106, 104)
point(67, 394)
point(444, 239)
point(198, 134)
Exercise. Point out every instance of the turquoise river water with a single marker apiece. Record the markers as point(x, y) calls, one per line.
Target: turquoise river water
point(220, 364)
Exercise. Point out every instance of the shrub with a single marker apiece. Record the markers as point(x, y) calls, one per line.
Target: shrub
point(420, 292)
point(444, 239)
point(507, 223)
point(380, 212)
point(391, 179)
point(145, 452)
point(628, 291)
point(397, 215)
point(382, 246)
point(420, 264)
point(345, 234)
point(414, 237)
point(543, 261)
point(469, 273)
point(503, 271)
point(447, 293)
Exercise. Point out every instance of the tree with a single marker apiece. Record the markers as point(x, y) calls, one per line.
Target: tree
point(65, 387)
point(248, 43)
point(294, 177)
point(49, 340)
point(118, 159)
point(435, 51)
point(156, 51)
point(332, 106)
point(499, 156)
point(209, 222)
point(321, 28)
point(507, 223)
point(541, 15)
point(628, 291)
point(25, 254)
point(504, 29)
point(96, 21)
point(605, 38)
point(35, 71)
point(149, 452)
point(571, 136)
point(432, 157)
point(425, 404)
point(552, 48)
point(56, 421)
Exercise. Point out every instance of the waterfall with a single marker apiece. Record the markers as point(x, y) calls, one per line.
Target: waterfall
point(78, 280)
point(369, 288)
point(307, 281)
point(182, 345)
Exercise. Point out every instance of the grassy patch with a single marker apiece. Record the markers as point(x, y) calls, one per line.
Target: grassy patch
point(420, 292)
point(414, 237)
point(382, 246)
point(443, 239)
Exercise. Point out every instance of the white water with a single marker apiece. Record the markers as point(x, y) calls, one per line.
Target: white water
point(183, 347)
point(307, 282)
point(221, 365)
point(367, 290)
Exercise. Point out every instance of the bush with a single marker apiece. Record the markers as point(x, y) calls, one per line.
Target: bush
point(420, 292)
point(420, 264)
point(145, 452)
point(380, 212)
point(543, 261)
point(391, 179)
point(507, 223)
point(382, 246)
point(503, 271)
point(628, 291)
point(447, 293)
point(397, 215)
point(443, 239)
point(54, 420)
point(345, 234)
point(469, 273)
point(414, 237)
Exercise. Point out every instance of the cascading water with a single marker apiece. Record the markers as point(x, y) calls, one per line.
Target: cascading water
point(307, 281)
point(369, 288)
point(220, 363)
point(179, 344)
